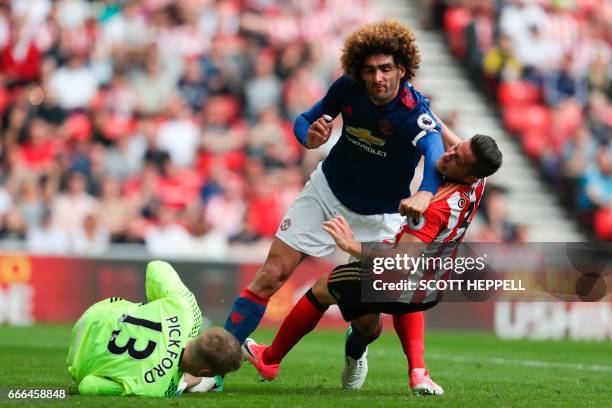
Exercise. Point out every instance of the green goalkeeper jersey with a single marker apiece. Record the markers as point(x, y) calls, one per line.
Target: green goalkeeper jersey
point(124, 348)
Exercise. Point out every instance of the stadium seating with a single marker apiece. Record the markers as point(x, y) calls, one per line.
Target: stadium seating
point(545, 125)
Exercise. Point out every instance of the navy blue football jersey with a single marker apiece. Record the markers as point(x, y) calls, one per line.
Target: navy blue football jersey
point(371, 166)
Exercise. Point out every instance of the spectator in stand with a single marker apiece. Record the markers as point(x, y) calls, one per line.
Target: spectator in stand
point(205, 240)
point(20, 54)
point(27, 210)
point(247, 234)
point(599, 116)
point(224, 136)
point(575, 158)
point(538, 57)
point(6, 203)
point(291, 59)
point(302, 90)
point(193, 86)
point(562, 83)
point(40, 148)
point(69, 209)
point(142, 190)
point(516, 19)
point(497, 227)
point(99, 94)
point(264, 207)
point(264, 89)
point(271, 139)
point(74, 85)
point(91, 239)
point(501, 64)
point(596, 188)
point(153, 86)
point(564, 50)
point(224, 212)
point(121, 98)
point(47, 237)
point(125, 27)
point(167, 237)
point(123, 158)
point(561, 26)
point(179, 135)
point(479, 35)
point(113, 211)
point(178, 187)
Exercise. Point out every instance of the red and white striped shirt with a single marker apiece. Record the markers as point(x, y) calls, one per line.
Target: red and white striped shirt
point(443, 226)
point(449, 214)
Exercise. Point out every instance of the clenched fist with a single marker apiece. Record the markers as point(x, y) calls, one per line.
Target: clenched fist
point(319, 132)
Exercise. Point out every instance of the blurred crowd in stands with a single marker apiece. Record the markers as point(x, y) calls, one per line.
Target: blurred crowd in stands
point(161, 122)
point(169, 123)
point(547, 63)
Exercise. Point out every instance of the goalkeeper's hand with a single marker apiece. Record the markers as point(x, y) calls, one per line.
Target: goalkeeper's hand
point(189, 383)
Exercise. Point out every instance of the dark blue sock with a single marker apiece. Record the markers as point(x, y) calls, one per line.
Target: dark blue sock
point(356, 344)
point(245, 315)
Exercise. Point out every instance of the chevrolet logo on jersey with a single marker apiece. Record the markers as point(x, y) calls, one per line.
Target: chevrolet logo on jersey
point(365, 135)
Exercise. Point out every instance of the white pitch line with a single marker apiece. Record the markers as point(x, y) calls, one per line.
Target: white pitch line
point(524, 363)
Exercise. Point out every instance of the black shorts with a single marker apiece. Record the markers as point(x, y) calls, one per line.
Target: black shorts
point(344, 284)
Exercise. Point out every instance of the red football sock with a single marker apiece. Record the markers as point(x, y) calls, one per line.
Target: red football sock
point(410, 328)
point(300, 321)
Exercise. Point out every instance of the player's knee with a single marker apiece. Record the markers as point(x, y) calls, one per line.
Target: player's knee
point(321, 291)
point(368, 326)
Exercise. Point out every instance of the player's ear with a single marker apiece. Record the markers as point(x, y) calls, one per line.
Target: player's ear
point(401, 71)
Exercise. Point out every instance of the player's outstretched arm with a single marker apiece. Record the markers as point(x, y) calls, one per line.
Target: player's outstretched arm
point(162, 281)
point(341, 232)
point(313, 128)
point(430, 146)
point(94, 385)
point(432, 149)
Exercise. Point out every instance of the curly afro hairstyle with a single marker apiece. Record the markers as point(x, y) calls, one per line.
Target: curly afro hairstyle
point(388, 37)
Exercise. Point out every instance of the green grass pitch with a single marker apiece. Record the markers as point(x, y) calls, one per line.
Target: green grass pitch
point(475, 369)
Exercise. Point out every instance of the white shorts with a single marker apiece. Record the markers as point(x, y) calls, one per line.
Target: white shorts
point(301, 227)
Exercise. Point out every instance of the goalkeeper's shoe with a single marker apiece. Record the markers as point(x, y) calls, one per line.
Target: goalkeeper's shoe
point(254, 353)
point(422, 384)
point(355, 370)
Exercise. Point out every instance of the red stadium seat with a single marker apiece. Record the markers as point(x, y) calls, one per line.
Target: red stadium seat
point(234, 161)
point(534, 143)
point(455, 21)
point(603, 224)
point(4, 99)
point(566, 120)
point(513, 119)
point(78, 126)
point(519, 118)
point(116, 126)
point(538, 117)
point(518, 93)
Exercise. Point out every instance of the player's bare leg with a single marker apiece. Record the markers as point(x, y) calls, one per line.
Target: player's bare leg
point(282, 260)
point(250, 306)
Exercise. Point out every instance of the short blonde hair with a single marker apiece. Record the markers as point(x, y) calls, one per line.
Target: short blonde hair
point(389, 37)
point(218, 349)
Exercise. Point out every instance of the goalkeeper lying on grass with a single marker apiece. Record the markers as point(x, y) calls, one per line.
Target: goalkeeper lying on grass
point(150, 349)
